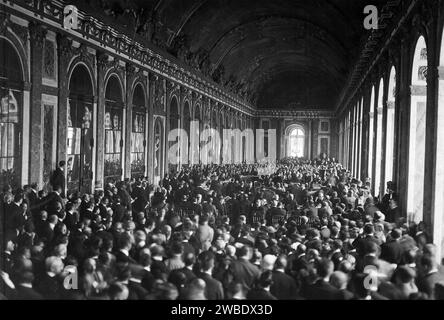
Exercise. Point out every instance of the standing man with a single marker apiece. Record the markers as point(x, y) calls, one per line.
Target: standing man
point(58, 178)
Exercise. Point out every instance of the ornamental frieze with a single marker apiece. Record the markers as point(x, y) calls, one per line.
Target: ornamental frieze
point(92, 29)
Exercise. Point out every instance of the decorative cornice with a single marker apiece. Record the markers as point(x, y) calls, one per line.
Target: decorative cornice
point(300, 114)
point(394, 16)
point(145, 54)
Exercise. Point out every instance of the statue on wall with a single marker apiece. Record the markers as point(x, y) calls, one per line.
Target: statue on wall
point(159, 95)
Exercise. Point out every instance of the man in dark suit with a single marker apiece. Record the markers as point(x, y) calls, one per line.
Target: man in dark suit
point(53, 202)
point(214, 289)
point(139, 196)
point(262, 289)
point(24, 289)
point(135, 287)
point(49, 285)
point(189, 261)
point(369, 257)
point(431, 277)
point(284, 286)
point(146, 275)
point(361, 243)
point(124, 248)
point(72, 217)
point(322, 289)
point(57, 179)
point(33, 199)
point(243, 270)
point(392, 251)
point(118, 210)
point(47, 231)
point(158, 267)
point(340, 280)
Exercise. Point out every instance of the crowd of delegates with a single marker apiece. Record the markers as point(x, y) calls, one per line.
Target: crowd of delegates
point(305, 230)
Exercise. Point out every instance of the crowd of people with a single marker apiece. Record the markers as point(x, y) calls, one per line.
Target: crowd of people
point(305, 230)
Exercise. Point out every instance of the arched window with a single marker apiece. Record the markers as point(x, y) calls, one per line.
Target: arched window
point(418, 110)
point(80, 131)
point(390, 128)
point(174, 122)
point(296, 142)
point(138, 129)
point(371, 135)
point(187, 127)
point(11, 95)
point(113, 130)
point(158, 150)
point(378, 123)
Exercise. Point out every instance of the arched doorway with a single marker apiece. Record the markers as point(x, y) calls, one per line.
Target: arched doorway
point(438, 199)
point(80, 131)
point(158, 150)
point(114, 119)
point(195, 136)
point(11, 109)
point(173, 159)
point(215, 142)
point(378, 124)
point(371, 136)
point(417, 133)
point(296, 141)
point(138, 133)
point(187, 128)
point(390, 127)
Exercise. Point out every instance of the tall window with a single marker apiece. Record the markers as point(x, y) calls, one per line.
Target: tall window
point(113, 130)
point(418, 108)
point(158, 149)
point(378, 122)
point(173, 159)
point(11, 86)
point(138, 140)
point(370, 136)
point(80, 131)
point(296, 143)
point(390, 128)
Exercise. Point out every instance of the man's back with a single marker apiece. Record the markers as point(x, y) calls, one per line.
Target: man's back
point(49, 287)
point(26, 293)
point(392, 252)
point(244, 271)
point(428, 282)
point(283, 287)
point(322, 290)
point(214, 289)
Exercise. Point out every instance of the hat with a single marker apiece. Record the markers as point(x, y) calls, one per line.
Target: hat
point(262, 236)
point(325, 232)
point(379, 215)
point(295, 245)
point(238, 245)
point(270, 229)
point(337, 224)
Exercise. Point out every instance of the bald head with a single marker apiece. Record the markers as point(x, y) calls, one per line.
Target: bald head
point(268, 262)
point(339, 280)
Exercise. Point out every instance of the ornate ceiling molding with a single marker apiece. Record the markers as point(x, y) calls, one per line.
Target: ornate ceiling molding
point(373, 51)
point(301, 114)
point(98, 34)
